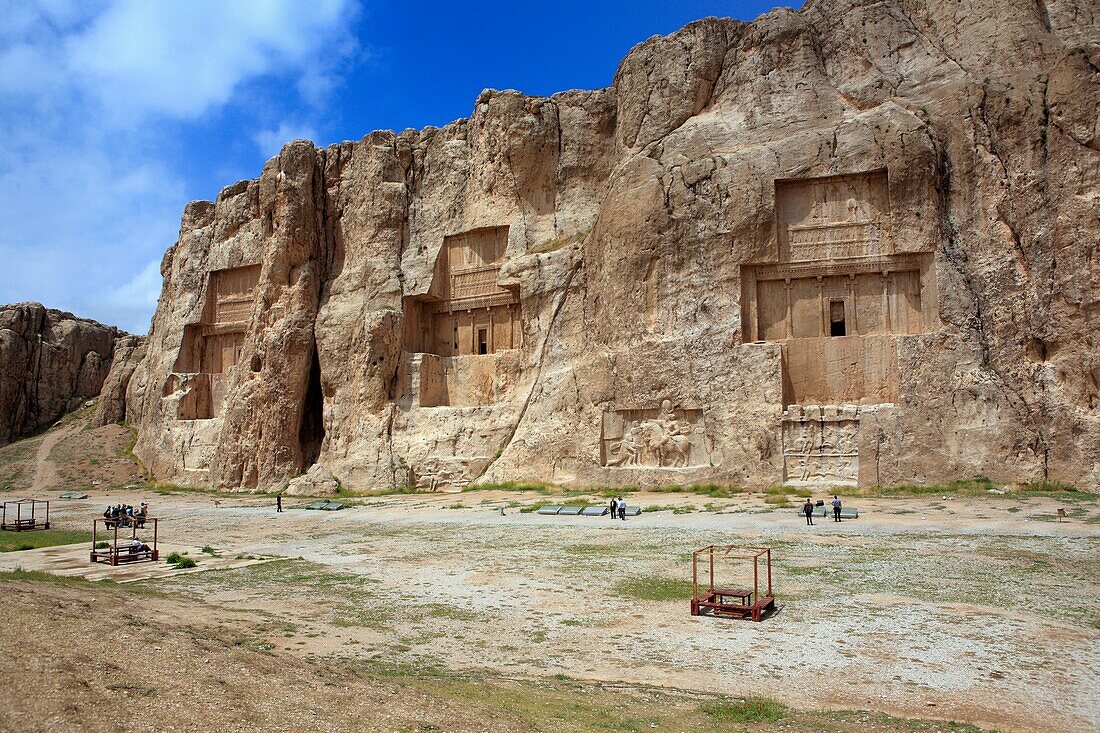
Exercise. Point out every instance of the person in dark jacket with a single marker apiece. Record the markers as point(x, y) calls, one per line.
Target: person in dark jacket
point(836, 508)
point(278, 503)
point(808, 510)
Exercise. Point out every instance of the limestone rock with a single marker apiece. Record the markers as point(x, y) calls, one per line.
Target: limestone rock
point(50, 363)
point(853, 244)
point(129, 351)
point(317, 481)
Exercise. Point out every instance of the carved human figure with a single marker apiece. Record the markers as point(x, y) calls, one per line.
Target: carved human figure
point(803, 440)
point(845, 440)
point(804, 468)
point(630, 449)
point(855, 211)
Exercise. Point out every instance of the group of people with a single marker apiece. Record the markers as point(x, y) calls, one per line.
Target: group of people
point(618, 508)
point(124, 514)
point(808, 509)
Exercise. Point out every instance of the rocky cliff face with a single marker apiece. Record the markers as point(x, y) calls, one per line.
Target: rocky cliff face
point(852, 244)
point(50, 363)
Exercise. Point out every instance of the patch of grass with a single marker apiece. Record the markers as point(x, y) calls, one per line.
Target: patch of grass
point(747, 710)
point(32, 540)
point(186, 562)
point(510, 486)
point(208, 550)
point(978, 486)
point(40, 576)
point(654, 588)
point(778, 500)
point(714, 491)
point(570, 502)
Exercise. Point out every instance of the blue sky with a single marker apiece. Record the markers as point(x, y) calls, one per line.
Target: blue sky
point(116, 113)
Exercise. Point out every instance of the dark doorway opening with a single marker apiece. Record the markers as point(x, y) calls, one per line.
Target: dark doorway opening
point(483, 341)
point(311, 432)
point(836, 318)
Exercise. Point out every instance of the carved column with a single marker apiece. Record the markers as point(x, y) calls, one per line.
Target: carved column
point(887, 327)
point(788, 321)
point(851, 317)
point(822, 307)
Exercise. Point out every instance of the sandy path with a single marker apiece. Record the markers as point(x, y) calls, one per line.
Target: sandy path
point(45, 470)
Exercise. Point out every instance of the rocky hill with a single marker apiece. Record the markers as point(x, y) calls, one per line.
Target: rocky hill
point(50, 363)
point(853, 244)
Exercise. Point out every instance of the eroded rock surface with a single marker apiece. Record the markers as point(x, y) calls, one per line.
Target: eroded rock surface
point(50, 363)
point(851, 244)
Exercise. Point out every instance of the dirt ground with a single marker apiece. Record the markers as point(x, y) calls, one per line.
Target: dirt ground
point(972, 608)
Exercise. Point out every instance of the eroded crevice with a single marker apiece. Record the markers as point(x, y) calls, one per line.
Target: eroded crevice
point(311, 431)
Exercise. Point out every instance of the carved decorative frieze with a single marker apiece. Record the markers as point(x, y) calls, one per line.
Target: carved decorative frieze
point(833, 218)
point(664, 437)
point(821, 445)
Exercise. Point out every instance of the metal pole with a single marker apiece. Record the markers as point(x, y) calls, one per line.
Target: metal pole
point(711, 553)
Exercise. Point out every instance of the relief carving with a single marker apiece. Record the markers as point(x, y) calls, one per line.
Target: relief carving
point(821, 445)
point(665, 437)
point(831, 218)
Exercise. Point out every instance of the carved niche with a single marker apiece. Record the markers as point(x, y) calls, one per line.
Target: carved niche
point(664, 437)
point(821, 445)
point(831, 218)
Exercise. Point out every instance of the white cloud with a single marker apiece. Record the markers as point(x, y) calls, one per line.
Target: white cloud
point(270, 142)
point(92, 98)
point(183, 58)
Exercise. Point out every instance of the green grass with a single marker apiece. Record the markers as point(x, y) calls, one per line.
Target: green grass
point(654, 588)
point(208, 550)
point(537, 488)
point(560, 502)
point(779, 500)
point(714, 491)
point(747, 710)
point(186, 562)
point(31, 540)
point(978, 486)
point(39, 576)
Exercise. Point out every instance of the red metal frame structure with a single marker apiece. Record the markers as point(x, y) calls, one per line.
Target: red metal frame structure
point(22, 520)
point(115, 554)
point(734, 602)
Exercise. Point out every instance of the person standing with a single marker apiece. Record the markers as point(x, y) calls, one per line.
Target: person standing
point(614, 504)
point(278, 502)
point(808, 510)
point(836, 508)
point(622, 508)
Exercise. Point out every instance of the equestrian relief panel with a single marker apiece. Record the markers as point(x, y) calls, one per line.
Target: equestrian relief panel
point(664, 437)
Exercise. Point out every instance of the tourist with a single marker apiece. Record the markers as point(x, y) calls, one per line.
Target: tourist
point(808, 510)
point(614, 504)
point(278, 503)
point(622, 508)
point(836, 508)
